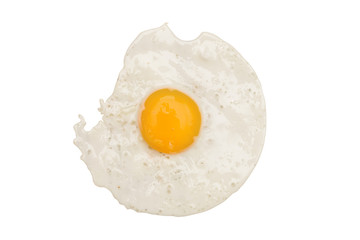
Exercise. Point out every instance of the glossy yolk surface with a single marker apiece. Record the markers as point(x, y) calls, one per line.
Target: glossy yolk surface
point(169, 120)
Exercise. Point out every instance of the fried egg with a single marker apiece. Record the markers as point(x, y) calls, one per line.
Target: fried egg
point(183, 129)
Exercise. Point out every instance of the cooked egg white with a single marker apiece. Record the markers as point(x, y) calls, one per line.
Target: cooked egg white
point(183, 128)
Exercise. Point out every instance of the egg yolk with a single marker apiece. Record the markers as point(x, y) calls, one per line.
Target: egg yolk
point(169, 120)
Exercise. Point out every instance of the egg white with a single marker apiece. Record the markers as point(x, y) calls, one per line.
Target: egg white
point(231, 137)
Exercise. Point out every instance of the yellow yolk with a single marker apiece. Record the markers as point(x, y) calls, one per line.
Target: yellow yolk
point(169, 120)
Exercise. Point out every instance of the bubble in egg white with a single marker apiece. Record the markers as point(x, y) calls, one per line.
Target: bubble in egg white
point(229, 96)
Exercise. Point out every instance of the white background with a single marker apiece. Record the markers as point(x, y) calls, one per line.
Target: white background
point(58, 58)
